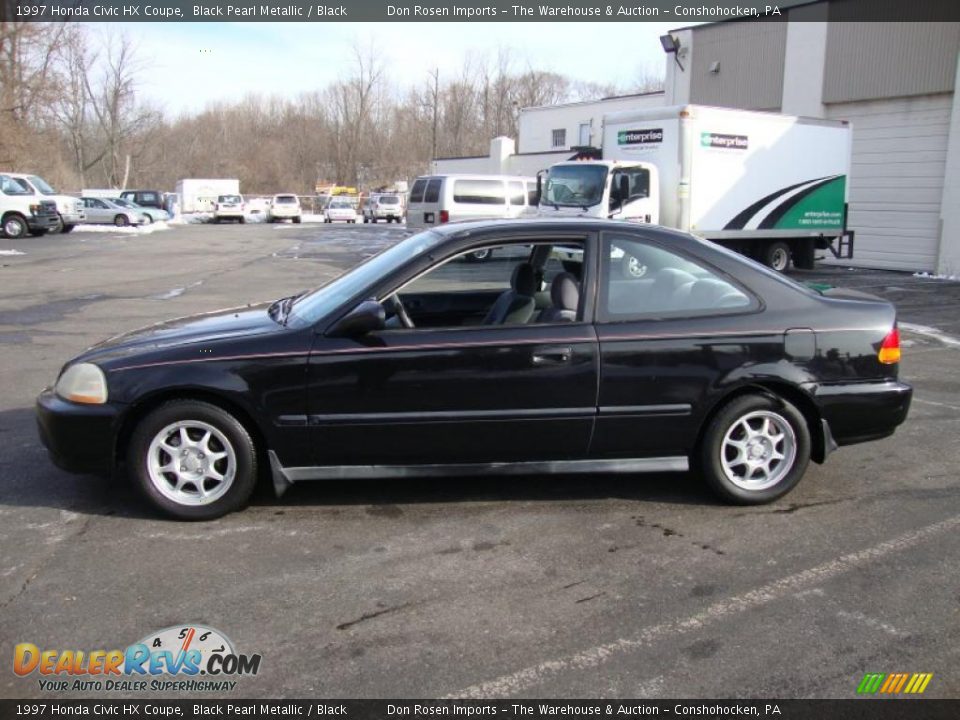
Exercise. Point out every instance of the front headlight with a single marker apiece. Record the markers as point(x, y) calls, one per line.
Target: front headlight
point(83, 383)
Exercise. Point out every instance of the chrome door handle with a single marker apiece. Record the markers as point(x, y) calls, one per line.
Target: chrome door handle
point(552, 356)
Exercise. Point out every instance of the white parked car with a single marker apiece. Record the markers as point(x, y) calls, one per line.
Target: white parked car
point(284, 207)
point(387, 207)
point(340, 211)
point(229, 207)
point(69, 208)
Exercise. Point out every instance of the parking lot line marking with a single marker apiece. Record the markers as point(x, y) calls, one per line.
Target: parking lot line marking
point(536, 674)
point(931, 332)
point(937, 404)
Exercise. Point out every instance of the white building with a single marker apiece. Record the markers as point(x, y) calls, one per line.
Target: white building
point(894, 82)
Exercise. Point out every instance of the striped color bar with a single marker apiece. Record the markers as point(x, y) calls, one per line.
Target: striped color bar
point(894, 683)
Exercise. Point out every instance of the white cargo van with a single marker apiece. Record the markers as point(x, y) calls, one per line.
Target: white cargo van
point(69, 208)
point(439, 199)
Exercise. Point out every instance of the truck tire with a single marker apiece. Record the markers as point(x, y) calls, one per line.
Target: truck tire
point(66, 228)
point(38, 233)
point(14, 226)
point(804, 254)
point(776, 256)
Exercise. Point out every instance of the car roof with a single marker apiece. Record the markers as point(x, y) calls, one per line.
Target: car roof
point(563, 224)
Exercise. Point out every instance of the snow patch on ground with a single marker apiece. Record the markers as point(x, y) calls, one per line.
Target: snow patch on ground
point(931, 332)
point(11, 252)
point(127, 230)
point(931, 276)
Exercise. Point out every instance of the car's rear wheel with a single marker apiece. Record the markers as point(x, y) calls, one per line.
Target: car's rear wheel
point(479, 255)
point(755, 450)
point(121, 221)
point(193, 460)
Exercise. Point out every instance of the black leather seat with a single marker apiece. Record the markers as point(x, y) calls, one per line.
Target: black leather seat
point(516, 305)
point(565, 296)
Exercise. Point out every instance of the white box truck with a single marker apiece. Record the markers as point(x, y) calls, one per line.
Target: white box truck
point(200, 195)
point(770, 186)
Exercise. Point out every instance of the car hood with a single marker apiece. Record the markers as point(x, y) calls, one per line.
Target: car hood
point(208, 327)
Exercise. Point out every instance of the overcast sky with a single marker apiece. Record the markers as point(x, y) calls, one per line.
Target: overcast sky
point(190, 64)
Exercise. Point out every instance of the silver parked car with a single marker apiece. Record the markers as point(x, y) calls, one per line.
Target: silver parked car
point(101, 211)
point(150, 214)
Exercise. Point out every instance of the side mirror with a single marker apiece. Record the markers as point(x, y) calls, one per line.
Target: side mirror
point(365, 318)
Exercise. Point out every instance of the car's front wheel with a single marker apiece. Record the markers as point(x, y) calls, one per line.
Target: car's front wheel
point(193, 460)
point(755, 450)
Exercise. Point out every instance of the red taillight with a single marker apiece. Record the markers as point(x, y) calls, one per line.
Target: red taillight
point(444, 216)
point(890, 348)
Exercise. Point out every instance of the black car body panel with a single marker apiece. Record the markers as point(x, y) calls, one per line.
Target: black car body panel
point(472, 397)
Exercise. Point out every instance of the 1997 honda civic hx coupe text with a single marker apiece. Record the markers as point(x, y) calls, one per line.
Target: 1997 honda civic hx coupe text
point(551, 357)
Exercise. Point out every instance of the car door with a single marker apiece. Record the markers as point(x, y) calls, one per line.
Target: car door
point(97, 211)
point(672, 330)
point(456, 394)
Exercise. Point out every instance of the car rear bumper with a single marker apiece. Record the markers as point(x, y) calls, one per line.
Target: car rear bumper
point(79, 438)
point(858, 412)
point(72, 218)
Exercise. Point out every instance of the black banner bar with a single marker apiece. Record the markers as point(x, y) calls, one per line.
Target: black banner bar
point(853, 709)
point(678, 12)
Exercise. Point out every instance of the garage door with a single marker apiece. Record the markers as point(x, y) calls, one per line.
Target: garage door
point(896, 180)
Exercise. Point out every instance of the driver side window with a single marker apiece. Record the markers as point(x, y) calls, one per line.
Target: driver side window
point(509, 284)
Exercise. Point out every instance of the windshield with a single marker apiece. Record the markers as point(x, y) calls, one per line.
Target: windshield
point(575, 185)
point(40, 184)
point(341, 205)
point(14, 186)
point(315, 305)
point(229, 199)
point(388, 200)
point(285, 199)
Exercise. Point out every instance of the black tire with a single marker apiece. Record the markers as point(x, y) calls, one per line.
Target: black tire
point(245, 477)
point(15, 226)
point(66, 228)
point(776, 256)
point(38, 233)
point(713, 450)
point(296, 220)
point(479, 255)
point(374, 220)
point(148, 220)
point(365, 219)
point(804, 254)
point(121, 221)
point(242, 220)
point(216, 220)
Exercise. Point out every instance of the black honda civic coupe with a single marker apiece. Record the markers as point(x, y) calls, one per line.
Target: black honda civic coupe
point(577, 346)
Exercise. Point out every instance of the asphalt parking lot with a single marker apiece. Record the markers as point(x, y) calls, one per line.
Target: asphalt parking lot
point(632, 586)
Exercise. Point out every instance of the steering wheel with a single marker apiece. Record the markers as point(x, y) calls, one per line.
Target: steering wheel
point(401, 312)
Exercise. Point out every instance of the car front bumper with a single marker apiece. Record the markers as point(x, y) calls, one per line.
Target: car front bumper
point(42, 222)
point(858, 412)
point(79, 438)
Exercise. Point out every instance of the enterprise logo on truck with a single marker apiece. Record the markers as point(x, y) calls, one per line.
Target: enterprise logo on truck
point(640, 137)
point(717, 140)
